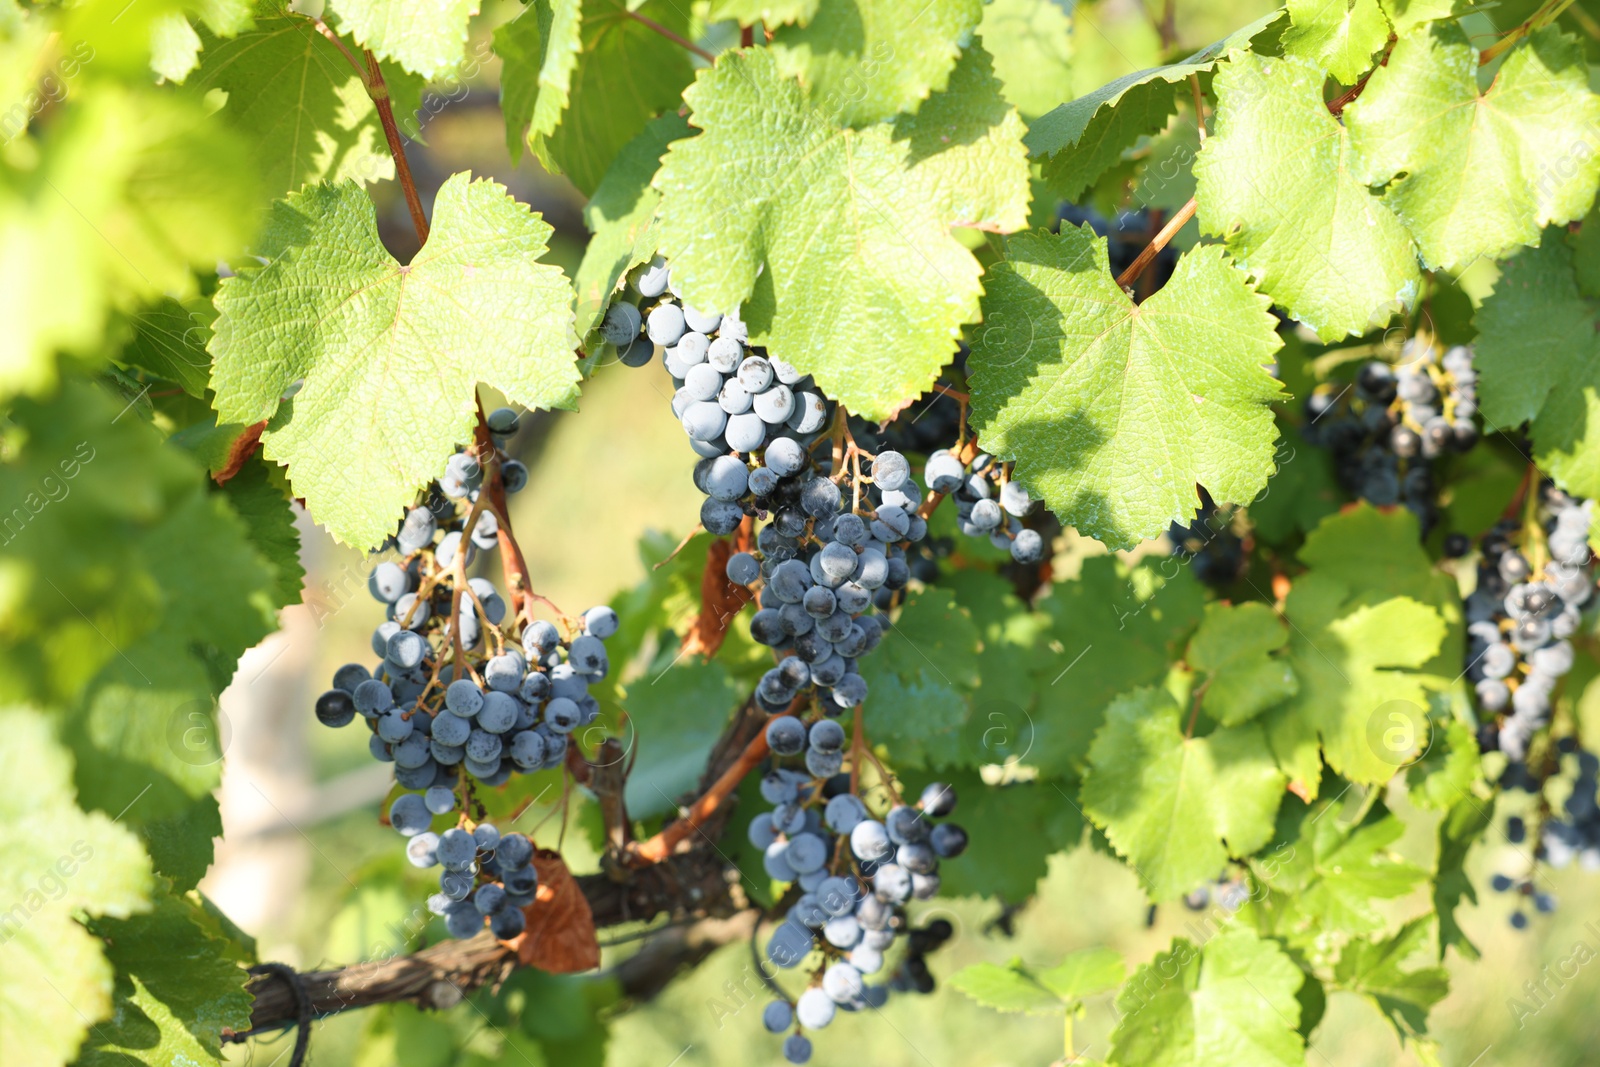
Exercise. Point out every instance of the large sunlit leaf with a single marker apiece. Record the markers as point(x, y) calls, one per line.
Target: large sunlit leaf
point(1114, 412)
point(389, 355)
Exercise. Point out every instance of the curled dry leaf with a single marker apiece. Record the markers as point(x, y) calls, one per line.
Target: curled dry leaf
point(244, 446)
point(720, 599)
point(559, 937)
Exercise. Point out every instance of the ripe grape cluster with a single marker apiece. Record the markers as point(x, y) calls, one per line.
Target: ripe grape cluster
point(820, 562)
point(1577, 837)
point(1527, 604)
point(1561, 840)
point(508, 706)
point(855, 874)
point(989, 504)
point(732, 400)
point(1387, 428)
point(824, 534)
point(1214, 552)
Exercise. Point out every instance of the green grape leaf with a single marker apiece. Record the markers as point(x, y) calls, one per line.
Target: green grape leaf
point(1031, 41)
point(390, 355)
point(1010, 988)
point(1444, 773)
point(1375, 629)
point(1275, 179)
point(538, 52)
point(771, 205)
point(1099, 135)
point(1301, 494)
point(968, 141)
point(1113, 411)
point(770, 12)
point(182, 845)
point(1478, 173)
point(1322, 876)
point(169, 340)
point(177, 987)
point(1462, 827)
point(238, 945)
point(1341, 36)
point(1406, 14)
point(1539, 362)
point(1080, 140)
point(1227, 1003)
point(1585, 253)
point(1118, 627)
point(621, 216)
point(1168, 802)
point(580, 112)
point(174, 46)
point(1233, 648)
point(1084, 973)
point(1375, 969)
point(293, 95)
point(129, 192)
point(919, 679)
point(54, 978)
point(148, 720)
point(426, 37)
point(992, 865)
point(93, 481)
point(269, 521)
point(864, 61)
point(676, 712)
point(1014, 653)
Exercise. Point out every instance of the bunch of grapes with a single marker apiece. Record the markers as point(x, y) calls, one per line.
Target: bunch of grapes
point(1386, 430)
point(828, 537)
point(1525, 888)
point(507, 708)
point(1576, 836)
point(989, 504)
point(856, 874)
point(1209, 544)
point(1528, 603)
point(732, 400)
point(1228, 892)
point(820, 563)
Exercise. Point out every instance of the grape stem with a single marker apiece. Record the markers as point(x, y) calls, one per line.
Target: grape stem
point(1194, 710)
point(1199, 122)
point(1157, 243)
point(512, 562)
point(1548, 12)
point(659, 847)
point(677, 39)
point(1513, 508)
point(458, 568)
point(683, 544)
point(1337, 105)
point(379, 92)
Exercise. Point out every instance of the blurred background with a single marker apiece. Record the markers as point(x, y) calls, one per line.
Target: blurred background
point(305, 867)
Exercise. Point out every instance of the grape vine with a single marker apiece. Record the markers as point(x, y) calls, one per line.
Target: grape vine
point(1182, 453)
